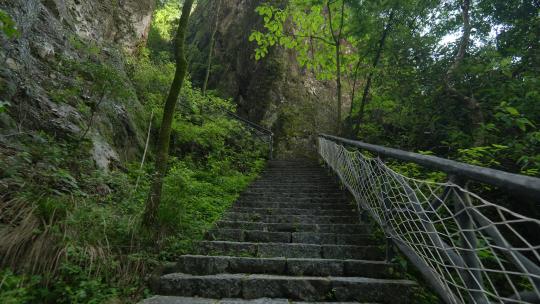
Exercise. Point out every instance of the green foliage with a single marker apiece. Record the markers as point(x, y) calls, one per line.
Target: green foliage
point(3, 106)
point(151, 80)
point(7, 25)
point(165, 19)
point(409, 106)
point(92, 218)
point(66, 95)
point(164, 24)
point(311, 38)
point(16, 289)
point(88, 47)
point(485, 156)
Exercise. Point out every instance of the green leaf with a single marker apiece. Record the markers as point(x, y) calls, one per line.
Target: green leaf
point(7, 25)
point(3, 106)
point(512, 111)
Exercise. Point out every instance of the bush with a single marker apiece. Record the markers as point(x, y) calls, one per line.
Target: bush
point(73, 232)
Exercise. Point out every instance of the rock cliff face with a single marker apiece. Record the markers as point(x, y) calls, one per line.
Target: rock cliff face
point(46, 73)
point(274, 91)
point(124, 22)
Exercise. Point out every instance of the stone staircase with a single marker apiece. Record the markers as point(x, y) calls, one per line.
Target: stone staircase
point(291, 237)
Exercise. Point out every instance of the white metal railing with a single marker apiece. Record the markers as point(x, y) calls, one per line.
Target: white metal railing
point(470, 250)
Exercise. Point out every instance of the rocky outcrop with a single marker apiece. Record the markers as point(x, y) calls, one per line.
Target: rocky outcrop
point(124, 22)
point(274, 91)
point(45, 73)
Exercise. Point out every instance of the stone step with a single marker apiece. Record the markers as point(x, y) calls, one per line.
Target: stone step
point(297, 205)
point(296, 196)
point(207, 265)
point(293, 166)
point(302, 219)
point(264, 202)
point(313, 171)
point(291, 188)
point(191, 300)
point(294, 211)
point(295, 192)
point(296, 172)
point(295, 199)
point(312, 167)
point(296, 178)
point(289, 250)
point(281, 183)
point(327, 182)
point(292, 237)
point(305, 288)
point(294, 227)
point(257, 236)
point(309, 173)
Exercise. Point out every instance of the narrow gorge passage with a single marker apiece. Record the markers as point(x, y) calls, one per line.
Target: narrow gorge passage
point(292, 237)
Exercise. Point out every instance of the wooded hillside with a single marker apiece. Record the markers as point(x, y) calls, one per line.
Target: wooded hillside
point(126, 131)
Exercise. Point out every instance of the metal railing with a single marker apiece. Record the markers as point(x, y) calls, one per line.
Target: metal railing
point(470, 250)
point(261, 132)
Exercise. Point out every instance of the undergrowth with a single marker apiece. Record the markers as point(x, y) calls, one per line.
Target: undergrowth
point(71, 233)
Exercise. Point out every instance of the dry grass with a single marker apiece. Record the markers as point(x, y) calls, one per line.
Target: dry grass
point(28, 243)
point(32, 245)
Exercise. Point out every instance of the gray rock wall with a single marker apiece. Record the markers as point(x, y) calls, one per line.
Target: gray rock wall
point(123, 22)
point(274, 91)
point(38, 65)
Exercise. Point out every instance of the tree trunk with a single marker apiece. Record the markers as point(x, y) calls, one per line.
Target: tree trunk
point(376, 60)
point(477, 116)
point(211, 48)
point(353, 89)
point(337, 44)
point(338, 87)
point(162, 153)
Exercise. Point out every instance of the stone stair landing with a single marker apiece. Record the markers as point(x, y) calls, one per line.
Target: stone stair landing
point(292, 237)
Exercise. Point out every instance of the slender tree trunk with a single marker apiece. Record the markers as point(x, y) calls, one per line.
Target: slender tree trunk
point(354, 82)
point(338, 86)
point(376, 60)
point(162, 153)
point(464, 43)
point(349, 121)
point(477, 116)
point(211, 48)
point(92, 114)
point(337, 44)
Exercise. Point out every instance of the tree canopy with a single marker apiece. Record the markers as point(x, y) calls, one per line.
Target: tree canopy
point(459, 78)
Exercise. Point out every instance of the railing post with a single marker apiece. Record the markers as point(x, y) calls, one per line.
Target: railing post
point(271, 147)
point(364, 216)
point(390, 252)
point(468, 242)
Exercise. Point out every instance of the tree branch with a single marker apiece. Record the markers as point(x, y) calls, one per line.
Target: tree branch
point(470, 102)
point(465, 39)
point(313, 37)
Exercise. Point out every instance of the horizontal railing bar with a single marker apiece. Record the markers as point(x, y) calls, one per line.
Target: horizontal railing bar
point(250, 123)
point(519, 184)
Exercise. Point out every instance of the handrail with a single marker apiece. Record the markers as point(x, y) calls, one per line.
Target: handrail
point(520, 184)
point(257, 127)
point(469, 249)
point(249, 124)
